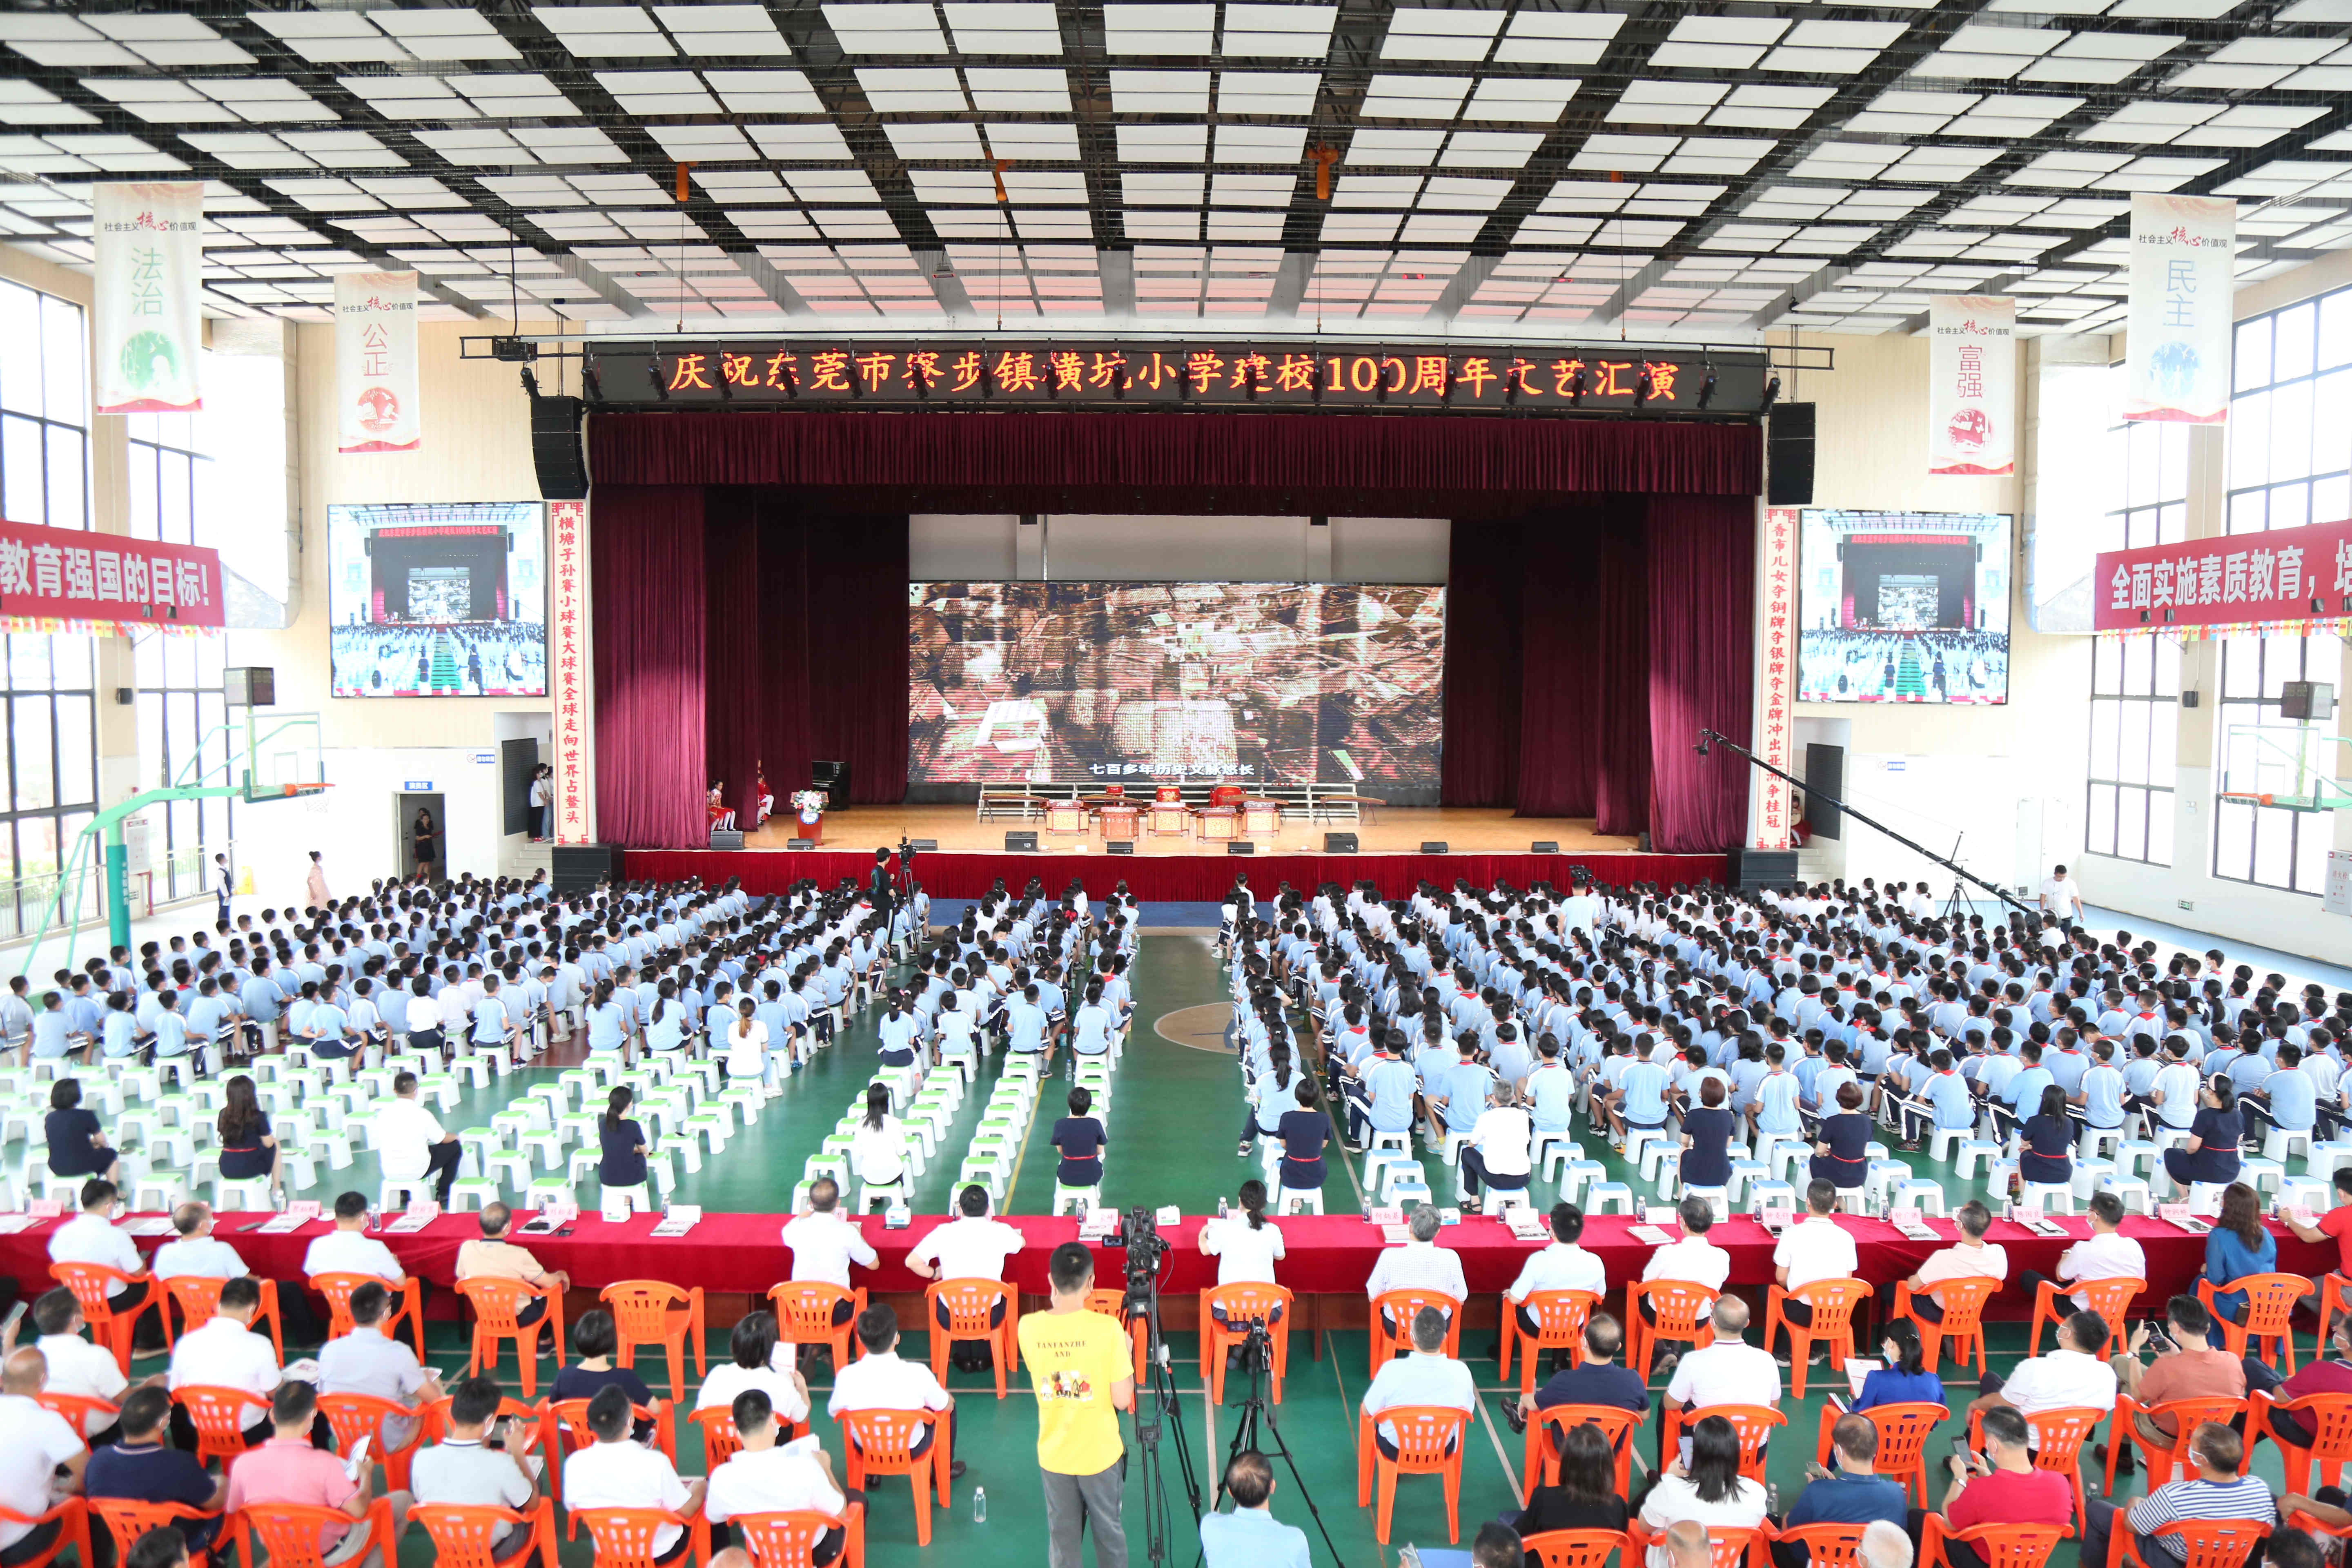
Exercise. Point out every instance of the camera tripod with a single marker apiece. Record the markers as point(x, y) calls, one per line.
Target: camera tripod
point(1165, 1416)
point(1256, 1413)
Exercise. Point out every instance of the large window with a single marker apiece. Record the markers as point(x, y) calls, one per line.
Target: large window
point(181, 704)
point(2136, 683)
point(44, 410)
point(2270, 844)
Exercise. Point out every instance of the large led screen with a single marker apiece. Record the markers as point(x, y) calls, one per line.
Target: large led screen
point(1275, 683)
point(438, 601)
point(1904, 606)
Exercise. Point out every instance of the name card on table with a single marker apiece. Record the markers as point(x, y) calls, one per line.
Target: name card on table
point(308, 1208)
point(1388, 1213)
point(1171, 1214)
point(898, 1217)
point(2172, 1214)
point(1659, 1214)
point(1094, 1223)
point(46, 1208)
point(1778, 1216)
point(614, 1207)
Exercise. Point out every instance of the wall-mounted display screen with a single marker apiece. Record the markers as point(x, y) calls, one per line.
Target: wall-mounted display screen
point(446, 600)
point(1904, 606)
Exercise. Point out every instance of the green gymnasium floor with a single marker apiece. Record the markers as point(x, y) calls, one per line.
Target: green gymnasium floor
point(1171, 1141)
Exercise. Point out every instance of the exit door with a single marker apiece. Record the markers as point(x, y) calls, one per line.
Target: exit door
point(405, 831)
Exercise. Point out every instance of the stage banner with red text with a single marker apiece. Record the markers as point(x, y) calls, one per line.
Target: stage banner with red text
point(375, 362)
point(571, 687)
point(1776, 676)
point(2176, 361)
point(2289, 579)
point(147, 271)
point(1972, 384)
point(106, 584)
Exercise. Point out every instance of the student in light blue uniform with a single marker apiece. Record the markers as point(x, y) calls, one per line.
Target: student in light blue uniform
point(171, 1029)
point(51, 1037)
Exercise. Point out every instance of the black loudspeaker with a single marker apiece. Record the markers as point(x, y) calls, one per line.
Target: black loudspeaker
point(251, 686)
point(1118, 847)
point(800, 843)
point(1339, 844)
point(1241, 847)
point(1642, 845)
point(578, 867)
point(555, 449)
point(1788, 455)
point(1756, 870)
point(921, 846)
point(1543, 847)
point(1021, 840)
point(1436, 846)
point(726, 838)
point(2307, 700)
point(1824, 781)
point(834, 779)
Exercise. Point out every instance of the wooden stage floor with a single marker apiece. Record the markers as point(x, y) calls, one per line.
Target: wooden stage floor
point(1395, 831)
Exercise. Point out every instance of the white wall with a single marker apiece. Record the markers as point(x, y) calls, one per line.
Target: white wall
point(1084, 549)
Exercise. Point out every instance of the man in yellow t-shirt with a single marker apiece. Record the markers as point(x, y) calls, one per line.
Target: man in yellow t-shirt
point(1080, 1364)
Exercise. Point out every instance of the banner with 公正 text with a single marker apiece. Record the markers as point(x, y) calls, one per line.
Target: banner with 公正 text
point(2291, 580)
point(147, 273)
point(571, 687)
point(2177, 359)
point(375, 362)
point(66, 581)
point(1776, 672)
point(1972, 384)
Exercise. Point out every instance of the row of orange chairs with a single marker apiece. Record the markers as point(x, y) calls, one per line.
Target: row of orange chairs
point(2207, 1544)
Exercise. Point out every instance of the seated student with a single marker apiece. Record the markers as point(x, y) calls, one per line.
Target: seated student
point(475, 1467)
point(613, 1472)
point(882, 1380)
point(752, 1361)
point(1091, 1028)
point(52, 1037)
point(75, 1138)
point(1943, 1101)
point(878, 1151)
point(623, 1142)
point(140, 1467)
point(290, 1468)
point(768, 1475)
point(1080, 1139)
point(1305, 1132)
point(2046, 1143)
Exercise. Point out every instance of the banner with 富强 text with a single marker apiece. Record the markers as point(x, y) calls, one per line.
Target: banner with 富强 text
point(1972, 384)
point(2176, 360)
point(2289, 579)
point(147, 273)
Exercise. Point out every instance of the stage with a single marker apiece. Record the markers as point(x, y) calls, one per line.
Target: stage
point(1465, 830)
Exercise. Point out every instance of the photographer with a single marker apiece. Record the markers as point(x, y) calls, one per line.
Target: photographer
point(1082, 1366)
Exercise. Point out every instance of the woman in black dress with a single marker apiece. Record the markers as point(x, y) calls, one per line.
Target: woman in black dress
point(247, 1148)
point(2213, 1140)
point(1706, 1152)
point(622, 1140)
point(73, 1134)
point(1304, 1131)
point(1586, 1498)
point(428, 843)
point(2046, 1142)
point(1841, 1155)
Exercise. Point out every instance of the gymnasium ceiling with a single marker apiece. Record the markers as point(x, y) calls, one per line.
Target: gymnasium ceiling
point(1683, 168)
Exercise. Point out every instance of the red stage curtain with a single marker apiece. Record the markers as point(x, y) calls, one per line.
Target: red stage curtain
point(733, 733)
point(783, 638)
point(856, 621)
point(1269, 451)
point(647, 578)
point(1702, 597)
point(1480, 763)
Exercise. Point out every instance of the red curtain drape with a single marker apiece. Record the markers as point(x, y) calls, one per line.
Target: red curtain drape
point(1701, 596)
point(1480, 761)
point(855, 616)
point(732, 731)
point(647, 585)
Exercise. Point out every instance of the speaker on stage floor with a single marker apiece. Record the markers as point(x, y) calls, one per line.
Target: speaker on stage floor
point(1339, 844)
point(555, 451)
point(800, 843)
point(1435, 847)
point(1119, 846)
point(577, 868)
point(1021, 840)
point(922, 846)
point(1240, 847)
point(1756, 870)
point(1543, 847)
point(1788, 455)
point(726, 838)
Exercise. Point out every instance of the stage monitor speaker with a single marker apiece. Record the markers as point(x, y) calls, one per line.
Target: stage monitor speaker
point(250, 685)
point(2307, 700)
point(578, 867)
point(1339, 844)
point(800, 843)
point(1436, 846)
point(726, 838)
point(1119, 846)
point(1824, 782)
point(1760, 870)
point(1241, 847)
point(834, 779)
point(922, 846)
point(1543, 847)
point(1788, 455)
point(555, 449)
point(1021, 840)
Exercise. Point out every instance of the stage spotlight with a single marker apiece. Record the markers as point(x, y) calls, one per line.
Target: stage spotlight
point(1576, 387)
point(1707, 387)
point(1771, 395)
point(1701, 747)
point(529, 382)
point(654, 374)
point(592, 380)
point(1643, 385)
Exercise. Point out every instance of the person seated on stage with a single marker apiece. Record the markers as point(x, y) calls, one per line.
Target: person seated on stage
point(621, 1143)
point(1426, 1377)
point(2046, 1144)
point(1305, 1132)
point(882, 1380)
point(1079, 1138)
point(769, 1476)
point(1708, 1130)
point(614, 1472)
point(1250, 1536)
point(2105, 1254)
point(756, 1361)
point(76, 1140)
point(2210, 1156)
point(878, 1151)
point(1841, 1141)
point(1419, 1264)
point(1498, 1153)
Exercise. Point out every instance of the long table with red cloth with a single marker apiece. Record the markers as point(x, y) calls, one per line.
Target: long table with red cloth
point(952, 874)
point(735, 1257)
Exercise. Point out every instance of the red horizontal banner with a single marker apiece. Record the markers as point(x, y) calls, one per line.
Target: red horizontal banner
point(67, 575)
point(2286, 577)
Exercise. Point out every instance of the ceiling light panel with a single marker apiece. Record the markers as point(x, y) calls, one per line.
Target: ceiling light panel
point(718, 32)
point(992, 27)
point(1420, 32)
point(887, 27)
point(1288, 32)
point(1160, 30)
point(1269, 92)
point(605, 32)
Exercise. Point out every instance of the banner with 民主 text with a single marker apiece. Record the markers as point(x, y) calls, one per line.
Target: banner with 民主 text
point(2176, 360)
point(375, 362)
point(1972, 384)
point(148, 269)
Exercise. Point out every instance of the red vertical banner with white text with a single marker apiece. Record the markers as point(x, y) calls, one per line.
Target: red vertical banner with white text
point(1775, 674)
point(571, 688)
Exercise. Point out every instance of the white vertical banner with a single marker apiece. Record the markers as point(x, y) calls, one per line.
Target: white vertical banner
point(1774, 720)
point(2177, 363)
point(375, 362)
point(148, 270)
point(1972, 384)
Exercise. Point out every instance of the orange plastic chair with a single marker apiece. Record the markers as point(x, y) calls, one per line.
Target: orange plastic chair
point(1903, 1433)
point(1834, 1302)
point(1827, 1545)
point(407, 1304)
point(2162, 1459)
point(2111, 1299)
point(1428, 1442)
point(94, 1285)
point(2328, 1416)
point(2267, 1317)
point(1559, 1316)
point(1731, 1546)
point(1577, 1548)
point(1242, 1302)
point(357, 1415)
point(789, 1539)
point(1964, 1304)
point(721, 1442)
point(1547, 1428)
point(198, 1299)
point(2334, 1295)
point(970, 1303)
point(72, 1520)
point(218, 1416)
point(464, 1537)
point(1112, 1304)
point(2206, 1542)
point(566, 1432)
point(649, 1312)
point(1401, 1307)
point(497, 1304)
point(290, 1532)
point(882, 1443)
point(1685, 1312)
point(77, 1409)
point(1754, 1422)
point(625, 1536)
point(2000, 1545)
point(804, 1312)
point(127, 1520)
point(435, 1417)
point(2058, 1439)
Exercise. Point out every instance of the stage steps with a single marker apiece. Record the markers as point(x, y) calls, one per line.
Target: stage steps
point(521, 858)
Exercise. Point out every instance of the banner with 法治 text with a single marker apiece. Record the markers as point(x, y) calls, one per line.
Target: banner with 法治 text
point(375, 362)
point(1972, 384)
point(2176, 361)
point(148, 271)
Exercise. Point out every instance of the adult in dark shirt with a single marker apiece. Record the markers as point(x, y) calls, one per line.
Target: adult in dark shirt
point(596, 1340)
point(247, 1147)
point(1853, 1493)
point(75, 1148)
point(2214, 1138)
point(2046, 1156)
point(1304, 1132)
point(1707, 1138)
point(142, 1467)
point(1841, 1147)
point(1079, 1138)
point(1595, 1380)
point(623, 1141)
point(1586, 1498)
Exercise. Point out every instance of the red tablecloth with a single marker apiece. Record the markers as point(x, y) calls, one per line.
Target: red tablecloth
point(1327, 1256)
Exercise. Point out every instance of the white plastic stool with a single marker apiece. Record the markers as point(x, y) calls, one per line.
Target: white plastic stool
point(2138, 1156)
point(2205, 1198)
point(168, 1191)
point(1605, 1194)
point(2048, 1197)
point(1558, 1153)
point(1294, 1199)
point(2279, 1143)
point(2089, 1174)
point(1400, 1140)
point(1656, 1155)
point(1498, 1199)
point(2305, 1192)
point(2326, 1157)
point(1742, 1173)
point(1853, 1200)
point(1581, 1176)
point(474, 1192)
point(2131, 1191)
point(2097, 1141)
point(2165, 1137)
point(2259, 1173)
point(1403, 1195)
point(1085, 1199)
point(639, 1200)
point(1716, 1199)
point(1762, 1195)
point(1670, 1172)
point(1920, 1194)
point(1639, 1139)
